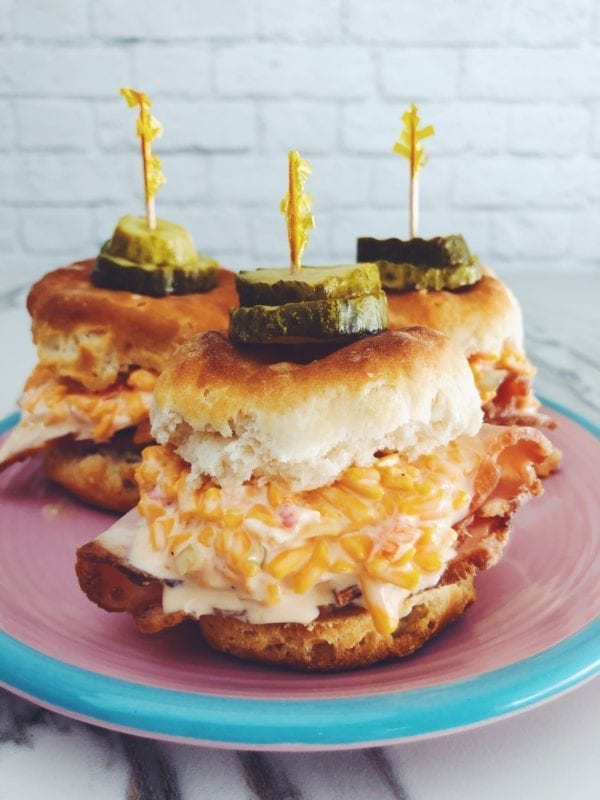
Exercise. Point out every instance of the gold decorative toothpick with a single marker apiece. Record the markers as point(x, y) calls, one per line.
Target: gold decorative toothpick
point(147, 128)
point(297, 207)
point(408, 145)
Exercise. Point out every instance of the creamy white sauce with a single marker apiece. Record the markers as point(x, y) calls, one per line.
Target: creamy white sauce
point(33, 431)
point(304, 608)
point(210, 589)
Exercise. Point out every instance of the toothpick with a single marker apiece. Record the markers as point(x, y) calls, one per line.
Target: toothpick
point(296, 207)
point(147, 128)
point(408, 146)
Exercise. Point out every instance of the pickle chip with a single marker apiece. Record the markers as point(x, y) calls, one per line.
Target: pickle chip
point(444, 262)
point(310, 321)
point(167, 245)
point(274, 287)
point(111, 272)
point(405, 277)
point(156, 262)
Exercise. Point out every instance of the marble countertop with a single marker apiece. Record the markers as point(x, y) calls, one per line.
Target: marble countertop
point(548, 752)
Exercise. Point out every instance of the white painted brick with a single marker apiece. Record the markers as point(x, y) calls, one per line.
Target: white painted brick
point(8, 230)
point(307, 127)
point(447, 22)
point(211, 125)
point(531, 74)
point(187, 179)
point(459, 127)
point(427, 73)
point(176, 19)
point(238, 84)
point(531, 234)
point(114, 125)
point(505, 182)
point(22, 269)
point(64, 71)
point(67, 179)
point(216, 125)
point(310, 21)
point(348, 225)
point(248, 180)
point(40, 19)
point(338, 182)
point(440, 221)
point(55, 125)
point(50, 230)
point(214, 230)
point(370, 127)
point(473, 225)
point(7, 126)
point(173, 70)
point(268, 237)
point(466, 128)
point(270, 244)
point(548, 22)
point(270, 70)
point(390, 182)
point(547, 129)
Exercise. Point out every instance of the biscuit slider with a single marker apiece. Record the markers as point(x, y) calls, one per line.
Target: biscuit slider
point(100, 351)
point(440, 284)
point(321, 515)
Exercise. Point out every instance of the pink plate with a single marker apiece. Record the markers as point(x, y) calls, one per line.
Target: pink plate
point(545, 590)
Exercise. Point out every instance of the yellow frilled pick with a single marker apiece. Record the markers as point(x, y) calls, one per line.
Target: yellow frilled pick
point(148, 128)
point(297, 208)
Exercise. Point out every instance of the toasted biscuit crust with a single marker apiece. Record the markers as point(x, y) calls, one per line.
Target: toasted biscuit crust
point(92, 334)
point(101, 475)
point(235, 411)
point(229, 376)
point(343, 638)
point(482, 318)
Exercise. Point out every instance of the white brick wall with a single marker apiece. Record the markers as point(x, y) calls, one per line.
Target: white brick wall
point(512, 87)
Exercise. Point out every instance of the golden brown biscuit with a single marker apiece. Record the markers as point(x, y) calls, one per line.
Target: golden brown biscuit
point(92, 334)
point(262, 415)
point(342, 638)
point(96, 336)
point(99, 474)
point(482, 318)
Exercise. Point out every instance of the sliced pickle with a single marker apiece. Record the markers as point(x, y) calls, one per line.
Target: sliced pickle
point(441, 251)
point(274, 287)
point(404, 277)
point(167, 245)
point(111, 272)
point(443, 262)
point(310, 321)
point(157, 262)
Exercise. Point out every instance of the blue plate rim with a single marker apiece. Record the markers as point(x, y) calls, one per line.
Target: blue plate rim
point(219, 721)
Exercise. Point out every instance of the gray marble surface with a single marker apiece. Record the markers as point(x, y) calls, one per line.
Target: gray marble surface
point(548, 752)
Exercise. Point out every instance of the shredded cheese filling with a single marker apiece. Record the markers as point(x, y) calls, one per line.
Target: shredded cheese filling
point(53, 407)
point(377, 535)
